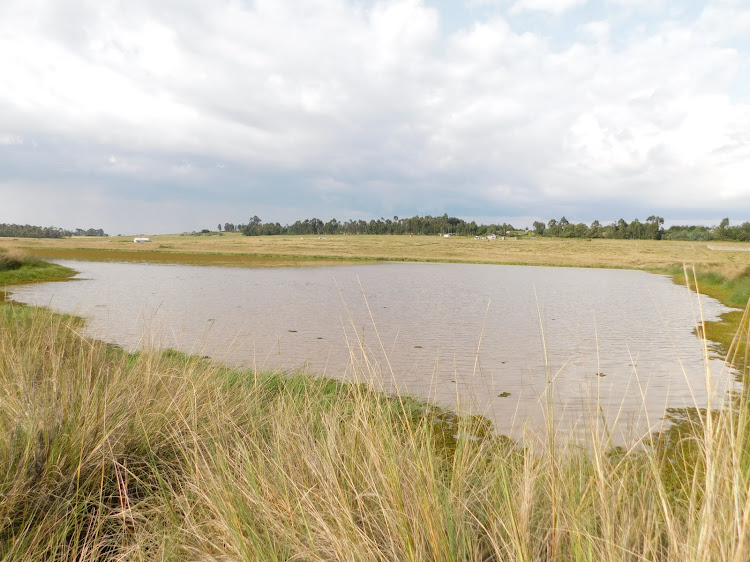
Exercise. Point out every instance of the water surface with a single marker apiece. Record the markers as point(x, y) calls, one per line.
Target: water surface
point(483, 337)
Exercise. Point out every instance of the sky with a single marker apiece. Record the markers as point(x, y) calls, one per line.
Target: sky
point(148, 117)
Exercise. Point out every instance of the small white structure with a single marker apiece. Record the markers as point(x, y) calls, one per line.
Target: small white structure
point(141, 239)
point(447, 235)
point(492, 237)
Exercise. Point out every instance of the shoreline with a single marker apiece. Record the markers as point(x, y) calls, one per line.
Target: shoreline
point(710, 282)
point(602, 253)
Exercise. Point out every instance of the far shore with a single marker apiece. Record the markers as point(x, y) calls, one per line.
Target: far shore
point(726, 259)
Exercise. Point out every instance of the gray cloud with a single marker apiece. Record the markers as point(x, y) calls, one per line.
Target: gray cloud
point(190, 113)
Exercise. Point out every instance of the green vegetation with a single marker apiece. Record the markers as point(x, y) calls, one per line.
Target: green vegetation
point(30, 231)
point(17, 267)
point(730, 332)
point(427, 225)
point(191, 258)
point(650, 229)
point(106, 454)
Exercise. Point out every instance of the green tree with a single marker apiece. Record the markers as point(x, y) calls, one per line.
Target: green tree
point(636, 230)
point(564, 226)
point(721, 231)
point(620, 229)
point(580, 230)
point(654, 228)
point(253, 228)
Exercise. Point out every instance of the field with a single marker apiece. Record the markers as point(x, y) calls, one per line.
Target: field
point(235, 249)
point(208, 463)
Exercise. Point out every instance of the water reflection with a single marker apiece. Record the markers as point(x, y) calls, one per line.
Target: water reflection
point(484, 337)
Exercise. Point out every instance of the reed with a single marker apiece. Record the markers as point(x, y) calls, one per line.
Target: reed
point(162, 456)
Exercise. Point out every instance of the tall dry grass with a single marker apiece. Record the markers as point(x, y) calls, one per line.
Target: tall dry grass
point(160, 456)
point(13, 258)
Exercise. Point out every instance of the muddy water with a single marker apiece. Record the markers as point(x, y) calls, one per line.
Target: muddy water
point(619, 343)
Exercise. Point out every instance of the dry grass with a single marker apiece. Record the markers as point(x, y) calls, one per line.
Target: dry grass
point(160, 456)
point(229, 249)
point(12, 259)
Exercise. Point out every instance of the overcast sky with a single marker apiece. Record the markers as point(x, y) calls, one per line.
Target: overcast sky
point(156, 116)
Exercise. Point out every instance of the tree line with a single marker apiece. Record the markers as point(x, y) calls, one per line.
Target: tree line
point(651, 228)
point(427, 225)
point(31, 231)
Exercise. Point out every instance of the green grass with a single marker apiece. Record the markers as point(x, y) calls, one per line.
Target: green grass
point(729, 333)
point(17, 268)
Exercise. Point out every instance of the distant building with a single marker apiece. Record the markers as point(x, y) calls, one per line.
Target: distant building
point(447, 235)
point(141, 239)
point(492, 237)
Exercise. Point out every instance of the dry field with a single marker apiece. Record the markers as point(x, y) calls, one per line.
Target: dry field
point(235, 249)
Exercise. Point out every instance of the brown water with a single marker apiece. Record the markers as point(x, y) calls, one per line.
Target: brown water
point(620, 343)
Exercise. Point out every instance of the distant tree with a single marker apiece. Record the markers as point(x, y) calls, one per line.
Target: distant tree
point(580, 230)
point(316, 225)
point(30, 231)
point(271, 229)
point(539, 228)
point(253, 228)
point(720, 232)
point(564, 227)
point(654, 228)
point(621, 229)
point(693, 233)
point(636, 230)
point(331, 227)
point(219, 227)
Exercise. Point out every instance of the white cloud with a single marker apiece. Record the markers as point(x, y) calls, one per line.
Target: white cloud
point(7, 139)
point(598, 30)
point(556, 7)
point(638, 4)
point(363, 108)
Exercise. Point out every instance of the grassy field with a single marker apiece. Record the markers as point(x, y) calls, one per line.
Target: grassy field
point(106, 455)
point(207, 463)
point(231, 249)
